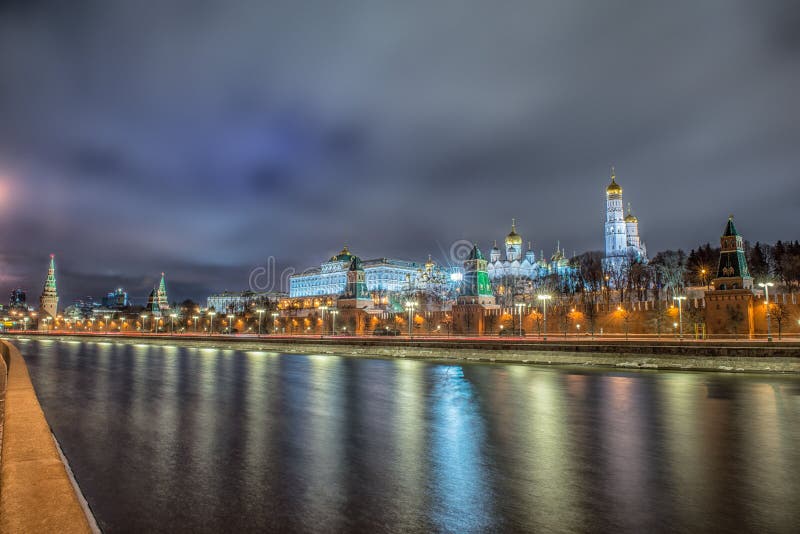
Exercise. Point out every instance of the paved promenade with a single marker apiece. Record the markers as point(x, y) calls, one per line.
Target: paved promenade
point(36, 493)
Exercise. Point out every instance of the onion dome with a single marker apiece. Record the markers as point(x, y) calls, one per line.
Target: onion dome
point(613, 188)
point(429, 264)
point(513, 238)
point(630, 217)
point(344, 255)
point(494, 248)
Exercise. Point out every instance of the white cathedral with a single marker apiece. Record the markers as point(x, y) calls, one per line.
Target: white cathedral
point(622, 231)
point(525, 265)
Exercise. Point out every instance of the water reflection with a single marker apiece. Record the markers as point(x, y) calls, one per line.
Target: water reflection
point(172, 438)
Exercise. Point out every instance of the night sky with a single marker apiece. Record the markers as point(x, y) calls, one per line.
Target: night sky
point(199, 138)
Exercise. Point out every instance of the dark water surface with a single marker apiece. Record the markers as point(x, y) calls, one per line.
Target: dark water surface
point(176, 439)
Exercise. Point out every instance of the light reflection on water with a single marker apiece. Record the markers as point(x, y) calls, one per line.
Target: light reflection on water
point(170, 438)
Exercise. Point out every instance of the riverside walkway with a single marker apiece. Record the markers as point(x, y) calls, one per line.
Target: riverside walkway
point(37, 493)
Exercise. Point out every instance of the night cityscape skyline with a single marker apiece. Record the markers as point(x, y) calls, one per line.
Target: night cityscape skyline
point(402, 267)
point(139, 148)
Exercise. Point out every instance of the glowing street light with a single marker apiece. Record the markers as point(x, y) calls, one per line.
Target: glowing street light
point(680, 314)
point(520, 306)
point(260, 317)
point(544, 299)
point(334, 313)
point(195, 317)
point(144, 317)
point(230, 324)
point(410, 305)
point(107, 317)
point(323, 309)
point(172, 321)
point(275, 322)
point(766, 287)
point(211, 326)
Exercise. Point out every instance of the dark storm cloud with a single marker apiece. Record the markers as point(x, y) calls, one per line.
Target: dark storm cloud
point(201, 137)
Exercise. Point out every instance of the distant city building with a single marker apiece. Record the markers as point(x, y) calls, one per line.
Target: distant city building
point(238, 302)
point(623, 243)
point(81, 308)
point(18, 299)
point(380, 275)
point(515, 264)
point(116, 299)
point(48, 302)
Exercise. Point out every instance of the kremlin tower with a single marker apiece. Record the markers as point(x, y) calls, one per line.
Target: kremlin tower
point(48, 302)
point(157, 302)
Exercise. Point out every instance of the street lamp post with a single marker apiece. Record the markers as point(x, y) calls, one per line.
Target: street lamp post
point(195, 317)
point(144, 318)
point(334, 313)
point(766, 287)
point(410, 305)
point(275, 322)
point(680, 300)
point(211, 324)
point(172, 321)
point(322, 310)
point(260, 320)
point(230, 325)
point(107, 318)
point(544, 299)
point(520, 306)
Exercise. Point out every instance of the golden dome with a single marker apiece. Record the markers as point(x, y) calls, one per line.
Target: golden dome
point(630, 217)
point(513, 238)
point(613, 188)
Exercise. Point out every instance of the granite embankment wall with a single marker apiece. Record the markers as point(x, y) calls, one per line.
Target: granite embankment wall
point(645, 354)
point(36, 491)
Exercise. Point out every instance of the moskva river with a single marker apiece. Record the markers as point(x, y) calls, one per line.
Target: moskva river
point(182, 439)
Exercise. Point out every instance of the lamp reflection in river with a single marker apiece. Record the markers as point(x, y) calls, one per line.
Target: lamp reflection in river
point(458, 462)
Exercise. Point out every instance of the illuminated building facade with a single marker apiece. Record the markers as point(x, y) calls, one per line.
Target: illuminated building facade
point(381, 275)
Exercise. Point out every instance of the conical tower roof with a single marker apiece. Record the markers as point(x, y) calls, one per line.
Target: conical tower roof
point(730, 228)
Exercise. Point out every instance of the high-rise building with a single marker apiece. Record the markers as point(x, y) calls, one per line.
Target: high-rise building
point(623, 243)
point(48, 302)
point(116, 299)
point(18, 299)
